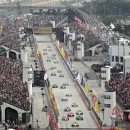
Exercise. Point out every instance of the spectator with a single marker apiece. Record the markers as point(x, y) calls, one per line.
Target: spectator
point(12, 26)
point(12, 89)
point(90, 39)
point(122, 88)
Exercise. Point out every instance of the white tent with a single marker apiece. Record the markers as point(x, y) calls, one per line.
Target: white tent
point(123, 41)
point(112, 26)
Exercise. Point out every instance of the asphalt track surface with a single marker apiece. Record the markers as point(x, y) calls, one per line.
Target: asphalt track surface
point(44, 41)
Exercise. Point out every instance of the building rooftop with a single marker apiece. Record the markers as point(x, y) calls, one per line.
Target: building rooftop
point(127, 57)
point(120, 46)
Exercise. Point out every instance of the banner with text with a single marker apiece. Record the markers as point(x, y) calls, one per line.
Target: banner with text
point(42, 30)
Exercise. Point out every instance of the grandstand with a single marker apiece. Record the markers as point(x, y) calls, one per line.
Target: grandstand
point(90, 39)
point(13, 90)
point(9, 27)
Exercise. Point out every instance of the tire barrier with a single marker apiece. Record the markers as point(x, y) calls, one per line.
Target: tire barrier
point(52, 98)
point(53, 121)
point(39, 56)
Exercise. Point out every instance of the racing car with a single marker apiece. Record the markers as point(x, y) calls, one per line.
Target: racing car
point(68, 95)
point(53, 74)
point(79, 117)
point(79, 112)
point(54, 55)
point(54, 86)
point(75, 124)
point(70, 114)
point(48, 60)
point(61, 75)
point(54, 67)
point(65, 118)
point(49, 46)
point(56, 62)
point(67, 109)
point(59, 71)
point(53, 58)
point(44, 49)
point(74, 105)
point(66, 84)
point(44, 53)
point(48, 56)
point(64, 99)
point(63, 87)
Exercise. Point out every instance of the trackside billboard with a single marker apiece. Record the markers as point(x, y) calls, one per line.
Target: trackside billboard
point(42, 30)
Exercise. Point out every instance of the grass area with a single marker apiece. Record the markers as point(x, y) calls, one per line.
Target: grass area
point(86, 76)
point(92, 67)
point(99, 76)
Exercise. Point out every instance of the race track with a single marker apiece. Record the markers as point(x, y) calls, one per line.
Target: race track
point(88, 122)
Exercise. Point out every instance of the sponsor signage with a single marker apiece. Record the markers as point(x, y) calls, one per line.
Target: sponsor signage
point(42, 30)
point(116, 128)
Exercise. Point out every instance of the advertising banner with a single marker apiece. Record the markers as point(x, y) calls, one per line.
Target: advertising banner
point(54, 36)
point(116, 128)
point(39, 57)
point(96, 106)
point(77, 19)
point(66, 57)
point(0, 27)
point(62, 52)
point(114, 111)
point(86, 88)
point(129, 116)
point(121, 113)
point(42, 30)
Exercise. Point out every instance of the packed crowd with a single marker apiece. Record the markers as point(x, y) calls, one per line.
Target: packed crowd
point(115, 70)
point(12, 124)
point(90, 39)
point(121, 84)
point(11, 27)
point(97, 67)
point(12, 89)
point(44, 19)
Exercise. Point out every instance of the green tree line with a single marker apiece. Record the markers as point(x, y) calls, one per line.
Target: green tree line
point(110, 11)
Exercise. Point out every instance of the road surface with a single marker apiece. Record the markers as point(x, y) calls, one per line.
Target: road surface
point(44, 41)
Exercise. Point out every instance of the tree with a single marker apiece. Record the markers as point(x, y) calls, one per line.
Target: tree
point(54, 12)
point(48, 12)
point(71, 14)
point(126, 29)
point(87, 7)
point(108, 19)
